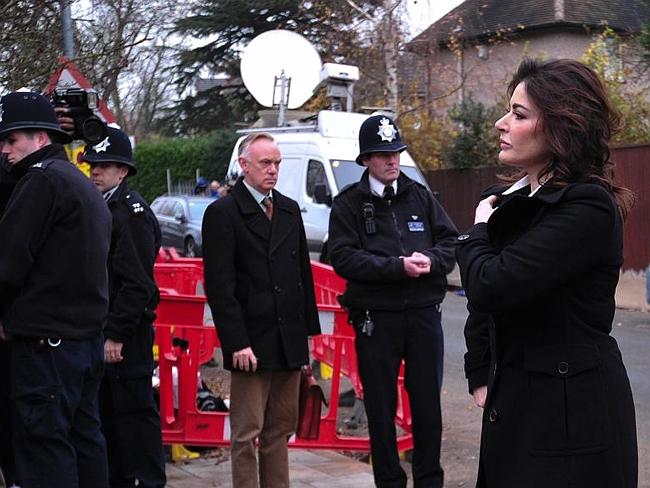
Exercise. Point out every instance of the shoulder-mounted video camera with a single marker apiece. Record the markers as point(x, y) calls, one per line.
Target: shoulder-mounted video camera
point(81, 105)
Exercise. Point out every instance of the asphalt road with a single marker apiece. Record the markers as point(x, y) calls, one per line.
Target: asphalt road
point(461, 419)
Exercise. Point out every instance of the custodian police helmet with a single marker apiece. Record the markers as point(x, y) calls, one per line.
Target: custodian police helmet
point(116, 148)
point(29, 110)
point(379, 134)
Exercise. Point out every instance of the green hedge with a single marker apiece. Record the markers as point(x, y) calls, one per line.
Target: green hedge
point(183, 156)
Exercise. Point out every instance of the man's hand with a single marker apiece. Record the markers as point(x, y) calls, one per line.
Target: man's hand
point(244, 359)
point(416, 264)
point(66, 123)
point(480, 395)
point(112, 351)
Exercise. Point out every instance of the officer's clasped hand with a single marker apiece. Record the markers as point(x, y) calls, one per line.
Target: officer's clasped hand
point(416, 264)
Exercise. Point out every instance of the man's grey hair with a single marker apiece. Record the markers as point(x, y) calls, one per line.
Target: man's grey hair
point(250, 139)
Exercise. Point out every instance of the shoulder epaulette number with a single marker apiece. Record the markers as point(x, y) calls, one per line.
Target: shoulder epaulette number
point(137, 208)
point(41, 164)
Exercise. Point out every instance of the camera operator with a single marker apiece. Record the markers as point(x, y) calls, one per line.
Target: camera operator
point(53, 301)
point(75, 108)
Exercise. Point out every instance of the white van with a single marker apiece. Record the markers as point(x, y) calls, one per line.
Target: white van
point(318, 160)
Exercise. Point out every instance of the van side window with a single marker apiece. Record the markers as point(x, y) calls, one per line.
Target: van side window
point(316, 176)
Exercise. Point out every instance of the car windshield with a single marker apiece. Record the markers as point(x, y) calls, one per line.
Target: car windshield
point(197, 209)
point(347, 172)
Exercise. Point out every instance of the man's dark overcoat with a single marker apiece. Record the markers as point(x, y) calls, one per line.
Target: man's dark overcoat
point(258, 279)
point(540, 278)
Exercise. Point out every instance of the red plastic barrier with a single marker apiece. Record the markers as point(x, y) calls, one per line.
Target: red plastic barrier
point(185, 343)
point(169, 254)
point(186, 279)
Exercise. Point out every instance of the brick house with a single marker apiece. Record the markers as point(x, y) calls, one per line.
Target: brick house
point(476, 47)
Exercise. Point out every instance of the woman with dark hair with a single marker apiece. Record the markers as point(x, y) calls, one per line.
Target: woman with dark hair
point(540, 268)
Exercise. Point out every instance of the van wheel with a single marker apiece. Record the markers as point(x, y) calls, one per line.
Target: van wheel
point(189, 249)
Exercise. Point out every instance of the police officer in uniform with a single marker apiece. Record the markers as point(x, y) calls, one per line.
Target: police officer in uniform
point(130, 418)
point(7, 183)
point(394, 243)
point(53, 300)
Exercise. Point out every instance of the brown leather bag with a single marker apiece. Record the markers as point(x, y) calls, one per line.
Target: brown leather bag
point(311, 399)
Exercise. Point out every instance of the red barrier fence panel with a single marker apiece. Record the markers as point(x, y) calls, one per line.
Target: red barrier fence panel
point(184, 343)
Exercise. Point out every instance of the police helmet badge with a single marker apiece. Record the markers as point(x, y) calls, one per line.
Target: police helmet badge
point(102, 146)
point(387, 130)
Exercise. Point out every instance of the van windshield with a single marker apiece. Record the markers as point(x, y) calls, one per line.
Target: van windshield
point(348, 172)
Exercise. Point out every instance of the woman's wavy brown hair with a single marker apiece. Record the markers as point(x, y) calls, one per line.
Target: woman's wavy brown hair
point(578, 121)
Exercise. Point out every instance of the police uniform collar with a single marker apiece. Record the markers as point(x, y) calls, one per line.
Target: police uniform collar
point(51, 151)
point(402, 182)
point(118, 192)
point(377, 187)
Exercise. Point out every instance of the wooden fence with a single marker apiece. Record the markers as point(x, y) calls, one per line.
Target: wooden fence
point(460, 190)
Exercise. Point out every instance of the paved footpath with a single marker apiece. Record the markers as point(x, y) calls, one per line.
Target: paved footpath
point(308, 469)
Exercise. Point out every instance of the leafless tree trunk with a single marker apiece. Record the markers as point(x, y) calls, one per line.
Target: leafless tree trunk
point(391, 37)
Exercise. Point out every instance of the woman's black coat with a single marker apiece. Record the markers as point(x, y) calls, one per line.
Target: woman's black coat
point(540, 278)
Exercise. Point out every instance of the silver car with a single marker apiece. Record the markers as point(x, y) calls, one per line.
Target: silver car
point(180, 219)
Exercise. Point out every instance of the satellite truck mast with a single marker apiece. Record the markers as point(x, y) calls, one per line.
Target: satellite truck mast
point(278, 79)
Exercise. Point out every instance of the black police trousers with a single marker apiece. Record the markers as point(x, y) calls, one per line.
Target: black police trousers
point(130, 417)
point(57, 437)
point(414, 335)
point(6, 449)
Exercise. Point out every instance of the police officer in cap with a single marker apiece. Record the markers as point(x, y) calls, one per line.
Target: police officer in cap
point(394, 243)
point(53, 301)
point(130, 418)
point(7, 183)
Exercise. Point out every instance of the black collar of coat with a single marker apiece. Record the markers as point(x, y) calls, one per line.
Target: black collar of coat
point(51, 151)
point(549, 193)
point(285, 214)
point(403, 182)
point(121, 190)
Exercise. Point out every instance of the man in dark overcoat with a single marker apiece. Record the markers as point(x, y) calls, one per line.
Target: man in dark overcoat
point(260, 289)
point(130, 418)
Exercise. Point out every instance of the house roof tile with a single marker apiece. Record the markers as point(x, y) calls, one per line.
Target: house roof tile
point(484, 18)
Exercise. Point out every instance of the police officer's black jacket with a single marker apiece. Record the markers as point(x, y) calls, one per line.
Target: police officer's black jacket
point(413, 221)
point(135, 241)
point(8, 181)
point(55, 240)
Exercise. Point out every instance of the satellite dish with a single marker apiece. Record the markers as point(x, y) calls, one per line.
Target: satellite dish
point(279, 54)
